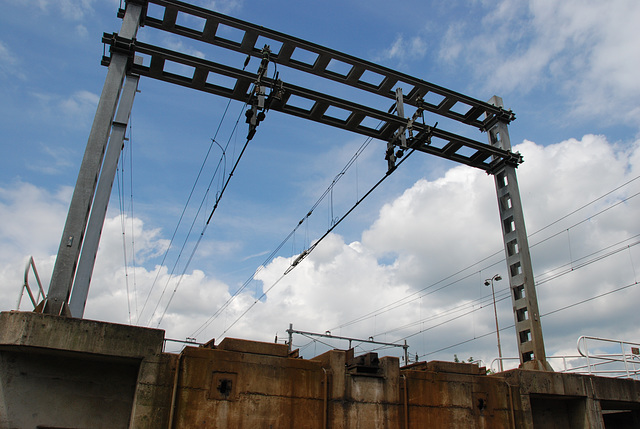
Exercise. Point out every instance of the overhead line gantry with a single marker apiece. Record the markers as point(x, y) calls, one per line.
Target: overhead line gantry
point(398, 131)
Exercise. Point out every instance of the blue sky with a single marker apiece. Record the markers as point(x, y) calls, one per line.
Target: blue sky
point(568, 70)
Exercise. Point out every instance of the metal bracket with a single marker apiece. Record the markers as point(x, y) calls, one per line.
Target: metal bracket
point(143, 3)
point(120, 45)
point(257, 98)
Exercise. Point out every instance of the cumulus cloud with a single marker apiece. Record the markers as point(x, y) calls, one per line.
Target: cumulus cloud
point(416, 273)
point(404, 51)
point(589, 46)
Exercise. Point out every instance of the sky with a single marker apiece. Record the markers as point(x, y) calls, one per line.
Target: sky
point(409, 262)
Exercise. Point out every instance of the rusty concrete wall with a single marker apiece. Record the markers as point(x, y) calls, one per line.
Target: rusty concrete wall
point(93, 374)
point(265, 388)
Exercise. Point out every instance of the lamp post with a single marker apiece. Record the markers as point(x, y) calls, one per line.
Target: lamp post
point(488, 282)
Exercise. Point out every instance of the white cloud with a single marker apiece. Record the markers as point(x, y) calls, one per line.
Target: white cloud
point(9, 63)
point(74, 10)
point(590, 48)
point(433, 231)
point(405, 51)
point(223, 6)
point(75, 110)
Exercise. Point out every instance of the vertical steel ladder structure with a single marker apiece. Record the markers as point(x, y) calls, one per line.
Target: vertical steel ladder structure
point(399, 132)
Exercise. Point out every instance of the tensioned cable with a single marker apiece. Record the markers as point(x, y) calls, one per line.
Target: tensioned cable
point(584, 206)
point(218, 197)
point(500, 296)
point(195, 247)
point(407, 299)
point(217, 201)
point(272, 255)
point(133, 241)
point(575, 304)
point(308, 251)
point(123, 227)
point(175, 231)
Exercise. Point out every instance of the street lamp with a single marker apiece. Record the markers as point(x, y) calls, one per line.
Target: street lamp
point(488, 282)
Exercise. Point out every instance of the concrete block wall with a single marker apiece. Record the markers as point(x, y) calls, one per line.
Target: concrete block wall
point(69, 373)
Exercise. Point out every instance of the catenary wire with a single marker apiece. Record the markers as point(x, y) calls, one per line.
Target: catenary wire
point(175, 231)
point(272, 255)
point(218, 198)
point(333, 226)
point(412, 297)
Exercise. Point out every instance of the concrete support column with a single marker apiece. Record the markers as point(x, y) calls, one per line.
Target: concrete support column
point(519, 269)
point(74, 228)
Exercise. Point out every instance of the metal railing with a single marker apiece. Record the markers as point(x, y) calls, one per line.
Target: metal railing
point(604, 357)
point(25, 285)
point(181, 344)
point(625, 364)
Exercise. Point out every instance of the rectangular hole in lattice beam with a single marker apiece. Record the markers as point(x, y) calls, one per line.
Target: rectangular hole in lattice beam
point(371, 78)
point(155, 11)
point(274, 45)
point(406, 88)
point(461, 108)
point(220, 80)
point(433, 98)
point(171, 67)
point(339, 67)
point(466, 151)
point(371, 123)
point(146, 59)
point(229, 33)
point(438, 143)
point(337, 113)
point(300, 103)
point(303, 56)
point(192, 22)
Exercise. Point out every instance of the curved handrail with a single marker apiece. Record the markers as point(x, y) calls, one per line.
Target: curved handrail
point(25, 285)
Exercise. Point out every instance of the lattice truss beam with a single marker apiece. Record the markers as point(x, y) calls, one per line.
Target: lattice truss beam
point(359, 74)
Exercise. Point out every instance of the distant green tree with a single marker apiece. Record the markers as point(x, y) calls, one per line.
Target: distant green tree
point(456, 360)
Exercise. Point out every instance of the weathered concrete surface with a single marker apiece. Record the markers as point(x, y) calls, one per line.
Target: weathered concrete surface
point(67, 373)
point(78, 335)
point(72, 373)
point(554, 400)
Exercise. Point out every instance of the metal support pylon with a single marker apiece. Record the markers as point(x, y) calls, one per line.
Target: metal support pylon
point(101, 200)
point(81, 201)
point(519, 268)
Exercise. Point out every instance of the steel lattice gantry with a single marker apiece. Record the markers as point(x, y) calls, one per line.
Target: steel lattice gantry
point(398, 131)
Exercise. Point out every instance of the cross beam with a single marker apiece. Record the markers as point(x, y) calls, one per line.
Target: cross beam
point(202, 75)
point(361, 74)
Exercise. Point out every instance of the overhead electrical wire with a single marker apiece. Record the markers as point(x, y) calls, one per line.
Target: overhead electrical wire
point(124, 244)
point(218, 197)
point(291, 234)
point(575, 304)
point(305, 253)
point(197, 244)
point(503, 295)
point(186, 205)
point(127, 214)
point(412, 297)
point(255, 93)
